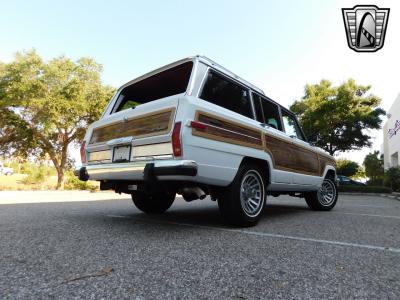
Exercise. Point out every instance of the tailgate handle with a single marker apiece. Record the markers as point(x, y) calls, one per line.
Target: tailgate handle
point(120, 141)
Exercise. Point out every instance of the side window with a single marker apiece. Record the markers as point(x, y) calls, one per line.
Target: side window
point(291, 126)
point(267, 112)
point(225, 93)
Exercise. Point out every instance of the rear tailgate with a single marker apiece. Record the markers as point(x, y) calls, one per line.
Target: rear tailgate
point(132, 134)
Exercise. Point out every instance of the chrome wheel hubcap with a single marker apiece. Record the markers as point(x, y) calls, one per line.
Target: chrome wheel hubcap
point(327, 193)
point(252, 193)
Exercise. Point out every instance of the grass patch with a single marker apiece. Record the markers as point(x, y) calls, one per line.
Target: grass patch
point(27, 182)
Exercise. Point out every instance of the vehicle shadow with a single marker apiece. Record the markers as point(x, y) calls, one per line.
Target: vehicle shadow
point(200, 215)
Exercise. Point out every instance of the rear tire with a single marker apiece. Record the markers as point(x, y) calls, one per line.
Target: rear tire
point(242, 202)
point(325, 198)
point(155, 203)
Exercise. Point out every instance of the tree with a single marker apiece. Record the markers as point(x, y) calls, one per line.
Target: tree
point(337, 119)
point(360, 174)
point(373, 167)
point(46, 106)
point(347, 167)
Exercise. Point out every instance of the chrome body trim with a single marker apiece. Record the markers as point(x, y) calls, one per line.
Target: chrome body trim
point(120, 141)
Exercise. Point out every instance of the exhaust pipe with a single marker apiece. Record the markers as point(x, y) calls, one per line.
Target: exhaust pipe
point(193, 193)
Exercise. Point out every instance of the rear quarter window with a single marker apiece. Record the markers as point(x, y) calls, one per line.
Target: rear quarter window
point(224, 92)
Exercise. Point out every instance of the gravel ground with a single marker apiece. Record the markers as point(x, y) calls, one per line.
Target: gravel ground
point(108, 249)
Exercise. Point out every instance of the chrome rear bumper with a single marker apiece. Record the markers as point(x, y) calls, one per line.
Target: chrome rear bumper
point(143, 170)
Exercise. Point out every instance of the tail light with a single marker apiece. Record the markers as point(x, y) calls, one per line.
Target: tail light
point(83, 152)
point(176, 140)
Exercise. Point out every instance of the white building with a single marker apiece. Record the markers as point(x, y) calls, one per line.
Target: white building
point(391, 136)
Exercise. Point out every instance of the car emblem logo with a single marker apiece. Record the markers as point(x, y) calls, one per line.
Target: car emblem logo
point(365, 27)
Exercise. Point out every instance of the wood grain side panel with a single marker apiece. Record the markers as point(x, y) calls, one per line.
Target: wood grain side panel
point(288, 156)
point(285, 154)
point(280, 151)
point(307, 161)
point(227, 131)
point(228, 125)
point(146, 125)
point(325, 161)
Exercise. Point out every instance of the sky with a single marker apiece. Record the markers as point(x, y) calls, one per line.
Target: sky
point(277, 45)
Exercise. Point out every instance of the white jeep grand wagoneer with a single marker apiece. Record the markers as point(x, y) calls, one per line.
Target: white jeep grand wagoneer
point(195, 128)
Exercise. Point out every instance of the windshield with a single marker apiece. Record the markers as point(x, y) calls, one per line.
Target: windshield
point(167, 83)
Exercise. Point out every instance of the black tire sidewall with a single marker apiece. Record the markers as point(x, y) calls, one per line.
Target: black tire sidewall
point(314, 202)
point(229, 201)
point(330, 206)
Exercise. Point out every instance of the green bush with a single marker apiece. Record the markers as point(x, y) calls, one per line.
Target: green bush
point(346, 167)
point(26, 168)
point(29, 167)
point(73, 183)
point(364, 189)
point(14, 165)
point(375, 182)
point(35, 175)
point(392, 178)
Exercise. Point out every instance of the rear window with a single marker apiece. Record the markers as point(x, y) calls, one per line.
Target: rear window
point(167, 83)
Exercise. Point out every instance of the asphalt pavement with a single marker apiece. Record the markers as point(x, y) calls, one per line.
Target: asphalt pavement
point(72, 248)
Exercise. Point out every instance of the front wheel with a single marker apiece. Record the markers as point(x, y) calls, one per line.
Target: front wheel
point(325, 198)
point(242, 202)
point(154, 203)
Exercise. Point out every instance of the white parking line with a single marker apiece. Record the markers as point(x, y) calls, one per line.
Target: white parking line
point(368, 205)
point(367, 215)
point(264, 234)
point(346, 213)
point(358, 214)
point(276, 202)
